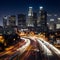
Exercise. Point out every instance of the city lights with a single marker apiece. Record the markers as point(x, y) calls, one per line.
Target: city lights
point(29, 30)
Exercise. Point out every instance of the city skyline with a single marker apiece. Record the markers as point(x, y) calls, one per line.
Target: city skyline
point(20, 6)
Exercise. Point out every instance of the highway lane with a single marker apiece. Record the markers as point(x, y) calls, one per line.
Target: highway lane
point(37, 49)
point(44, 51)
point(18, 49)
point(33, 49)
point(32, 53)
point(52, 47)
point(55, 51)
point(23, 48)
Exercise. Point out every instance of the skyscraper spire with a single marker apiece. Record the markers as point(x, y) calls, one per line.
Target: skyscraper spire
point(30, 12)
point(30, 17)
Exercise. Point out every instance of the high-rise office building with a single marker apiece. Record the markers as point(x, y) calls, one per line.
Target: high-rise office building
point(57, 26)
point(58, 20)
point(52, 16)
point(52, 25)
point(42, 19)
point(1, 30)
point(21, 20)
point(30, 17)
point(5, 21)
point(35, 19)
point(12, 20)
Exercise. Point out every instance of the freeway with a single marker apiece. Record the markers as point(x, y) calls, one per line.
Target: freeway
point(17, 49)
point(53, 52)
point(23, 48)
point(34, 48)
point(51, 47)
point(47, 53)
point(32, 52)
point(39, 50)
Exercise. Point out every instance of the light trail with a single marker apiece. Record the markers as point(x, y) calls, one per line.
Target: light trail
point(23, 48)
point(51, 47)
point(44, 48)
point(27, 53)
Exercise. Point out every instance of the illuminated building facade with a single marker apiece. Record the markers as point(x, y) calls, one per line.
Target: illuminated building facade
point(42, 19)
point(35, 19)
point(30, 22)
point(52, 25)
point(12, 20)
point(1, 30)
point(58, 24)
point(21, 20)
point(5, 21)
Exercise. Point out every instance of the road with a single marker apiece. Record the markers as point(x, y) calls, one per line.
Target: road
point(17, 49)
point(40, 49)
point(35, 48)
point(48, 51)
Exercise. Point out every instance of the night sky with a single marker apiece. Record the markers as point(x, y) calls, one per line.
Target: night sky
point(8, 7)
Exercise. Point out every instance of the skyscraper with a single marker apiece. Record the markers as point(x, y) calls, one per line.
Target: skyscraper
point(12, 20)
point(21, 20)
point(35, 19)
point(30, 17)
point(5, 21)
point(52, 25)
point(58, 20)
point(42, 19)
